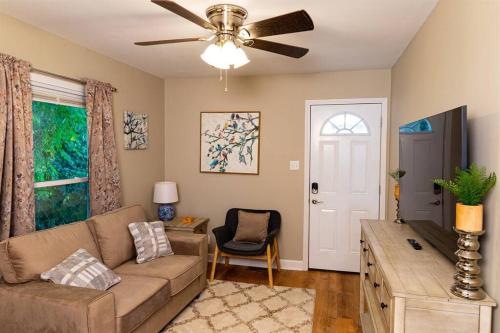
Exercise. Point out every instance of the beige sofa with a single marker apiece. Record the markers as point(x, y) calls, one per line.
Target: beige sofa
point(146, 299)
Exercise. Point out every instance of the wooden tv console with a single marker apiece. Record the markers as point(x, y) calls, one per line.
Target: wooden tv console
point(405, 290)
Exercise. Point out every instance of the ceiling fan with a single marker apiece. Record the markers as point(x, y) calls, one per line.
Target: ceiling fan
point(227, 23)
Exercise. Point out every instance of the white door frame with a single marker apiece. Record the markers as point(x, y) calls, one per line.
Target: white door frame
point(307, 160)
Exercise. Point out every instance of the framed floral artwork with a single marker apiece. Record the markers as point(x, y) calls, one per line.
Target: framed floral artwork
point(230, 142)
point(135, 130)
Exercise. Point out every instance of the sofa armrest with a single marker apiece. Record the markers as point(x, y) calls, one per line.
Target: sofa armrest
point(188, 243)
point(46, 307)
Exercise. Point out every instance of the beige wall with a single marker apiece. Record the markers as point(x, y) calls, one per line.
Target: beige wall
point(455, 60)
point(137, 91)
point(281, 102)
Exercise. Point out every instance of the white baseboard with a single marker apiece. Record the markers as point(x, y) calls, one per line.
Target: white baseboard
point(293, 265)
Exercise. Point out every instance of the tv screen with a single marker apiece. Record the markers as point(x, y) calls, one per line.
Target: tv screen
point(431, 148)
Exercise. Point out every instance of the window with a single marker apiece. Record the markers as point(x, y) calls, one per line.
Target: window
point(60, 152)
point(344, 124)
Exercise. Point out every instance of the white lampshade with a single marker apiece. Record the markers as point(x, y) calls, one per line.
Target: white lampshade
point(225, 56)
point(213, 56)
point(240, 58)
point(165, 192)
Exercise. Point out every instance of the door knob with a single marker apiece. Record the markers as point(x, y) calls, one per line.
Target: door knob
point(315, 202)
point(435, 203)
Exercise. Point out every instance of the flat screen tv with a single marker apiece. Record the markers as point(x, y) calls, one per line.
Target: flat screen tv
point(430, 148)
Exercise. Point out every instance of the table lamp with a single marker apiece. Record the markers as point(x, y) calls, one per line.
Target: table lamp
point(165, 194)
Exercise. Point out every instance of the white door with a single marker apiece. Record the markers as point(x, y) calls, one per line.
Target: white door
point(344, 181)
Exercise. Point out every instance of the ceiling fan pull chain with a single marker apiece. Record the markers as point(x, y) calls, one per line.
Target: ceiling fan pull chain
point(225, 89)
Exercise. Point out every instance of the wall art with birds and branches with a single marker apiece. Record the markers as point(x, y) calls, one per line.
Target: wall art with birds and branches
point(230, 142)
point(135, 130)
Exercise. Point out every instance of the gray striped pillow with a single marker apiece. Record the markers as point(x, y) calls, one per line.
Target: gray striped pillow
point(150, 240)
point(81, 269)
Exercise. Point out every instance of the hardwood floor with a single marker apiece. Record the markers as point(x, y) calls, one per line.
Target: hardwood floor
point(337, 294)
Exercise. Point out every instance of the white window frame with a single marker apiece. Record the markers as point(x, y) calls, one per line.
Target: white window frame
point(51, 89)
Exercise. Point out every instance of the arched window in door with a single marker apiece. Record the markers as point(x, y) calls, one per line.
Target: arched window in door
point(345, 124)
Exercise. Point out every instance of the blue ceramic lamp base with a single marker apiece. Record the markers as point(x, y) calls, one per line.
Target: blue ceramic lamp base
point(166, 212)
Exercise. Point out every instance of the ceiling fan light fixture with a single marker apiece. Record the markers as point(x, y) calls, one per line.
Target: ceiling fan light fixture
point(214, 57)
point(225, 56)
point(240, 59)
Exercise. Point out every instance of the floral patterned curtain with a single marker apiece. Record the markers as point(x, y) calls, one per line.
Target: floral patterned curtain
point(17, 194)
point(104, 177)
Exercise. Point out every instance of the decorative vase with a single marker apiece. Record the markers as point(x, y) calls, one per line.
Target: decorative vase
point(166, 212)
point(397, 191)
point(469, 218)
point(469, 226)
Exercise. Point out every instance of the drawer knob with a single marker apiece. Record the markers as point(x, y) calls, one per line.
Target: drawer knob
point(376, 285)
point(361, 241)
point(383, 305)
point(369, 264)
point(364, 250)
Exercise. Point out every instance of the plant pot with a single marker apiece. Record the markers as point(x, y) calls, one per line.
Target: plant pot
point(397, 191)
point(469, 218)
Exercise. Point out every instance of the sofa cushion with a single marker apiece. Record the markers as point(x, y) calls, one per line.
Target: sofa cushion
point(137, 298)
point(112, 234)
point(82, 270)
point(179, 269)
point(24, 258)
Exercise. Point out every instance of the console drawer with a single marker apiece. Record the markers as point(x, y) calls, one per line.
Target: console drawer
point(377, 284)
point(371, 265)
point(385, 304)
point(364, 247)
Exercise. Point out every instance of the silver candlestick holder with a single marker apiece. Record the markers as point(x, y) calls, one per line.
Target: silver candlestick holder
point(468, 281)
point(398, 219)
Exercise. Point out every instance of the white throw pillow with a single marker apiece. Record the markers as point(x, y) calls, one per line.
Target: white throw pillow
point(81, 269)
point(150, 240)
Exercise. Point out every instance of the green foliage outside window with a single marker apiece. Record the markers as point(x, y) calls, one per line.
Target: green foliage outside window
point(60, 152)
point(62, 204)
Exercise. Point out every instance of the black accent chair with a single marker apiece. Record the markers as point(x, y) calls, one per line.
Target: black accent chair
point(228, 248)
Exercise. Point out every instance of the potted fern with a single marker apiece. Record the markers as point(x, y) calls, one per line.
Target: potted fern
point(469, 187)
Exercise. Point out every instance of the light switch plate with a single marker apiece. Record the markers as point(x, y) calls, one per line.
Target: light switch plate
point(294, 165)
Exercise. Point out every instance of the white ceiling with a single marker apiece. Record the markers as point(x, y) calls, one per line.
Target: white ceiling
point(348, 34)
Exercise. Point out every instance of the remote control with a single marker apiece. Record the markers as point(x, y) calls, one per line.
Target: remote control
point(413, 242)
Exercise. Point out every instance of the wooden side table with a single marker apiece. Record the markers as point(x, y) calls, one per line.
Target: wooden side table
point(198, 226)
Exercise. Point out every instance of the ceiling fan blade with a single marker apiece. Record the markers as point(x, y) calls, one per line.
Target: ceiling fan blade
point(283, 24)
point(283, 49)
point(181, 11)
point(171, 41)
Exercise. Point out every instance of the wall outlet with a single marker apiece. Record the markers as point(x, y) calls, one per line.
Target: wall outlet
point(294, 165)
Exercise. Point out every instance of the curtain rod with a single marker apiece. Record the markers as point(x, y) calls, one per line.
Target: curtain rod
point(63, 77)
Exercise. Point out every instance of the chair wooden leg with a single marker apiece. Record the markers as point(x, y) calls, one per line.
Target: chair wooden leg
point(270, 265)
point(226, 261)
point(277, 251)
point(214, 263)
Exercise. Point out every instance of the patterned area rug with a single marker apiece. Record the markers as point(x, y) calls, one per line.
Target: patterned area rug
point(236, 307)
